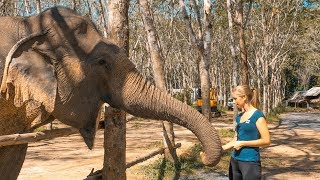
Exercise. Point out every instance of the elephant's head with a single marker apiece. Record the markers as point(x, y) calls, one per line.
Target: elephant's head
point(68, 69)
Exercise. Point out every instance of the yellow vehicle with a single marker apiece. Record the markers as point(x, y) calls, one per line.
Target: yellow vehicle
point(213, 102)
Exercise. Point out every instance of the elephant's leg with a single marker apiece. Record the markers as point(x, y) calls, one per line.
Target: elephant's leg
point(12, 121)
point(11, 160)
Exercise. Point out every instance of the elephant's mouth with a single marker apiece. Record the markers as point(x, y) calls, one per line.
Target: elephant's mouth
point(88, 136)
point(81, 111)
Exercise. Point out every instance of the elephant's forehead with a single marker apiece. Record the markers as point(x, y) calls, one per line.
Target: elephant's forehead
point(104, 47)
point(70, 22)
point(63, 17)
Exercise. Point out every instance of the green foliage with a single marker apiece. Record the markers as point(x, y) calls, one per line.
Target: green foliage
point(160, 169)
point(186, 93)
point(164, 169)
point(39, 129)
point(273, 115)
point(226, 133)
point(314, 81)
point(291, 82)
point(191, 160)
point(305, 54)
point(222, 108)
point(280, 109)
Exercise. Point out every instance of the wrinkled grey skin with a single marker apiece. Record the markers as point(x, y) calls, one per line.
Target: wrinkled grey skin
point(66, 72)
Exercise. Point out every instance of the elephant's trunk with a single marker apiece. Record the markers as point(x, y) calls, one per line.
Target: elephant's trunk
point(141, 98)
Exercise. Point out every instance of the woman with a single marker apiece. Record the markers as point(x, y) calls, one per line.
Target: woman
point(251, 133)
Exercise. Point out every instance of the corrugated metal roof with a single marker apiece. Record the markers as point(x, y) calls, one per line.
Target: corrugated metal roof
point(315, 91)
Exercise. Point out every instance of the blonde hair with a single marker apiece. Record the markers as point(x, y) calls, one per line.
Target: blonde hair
point(251, 93)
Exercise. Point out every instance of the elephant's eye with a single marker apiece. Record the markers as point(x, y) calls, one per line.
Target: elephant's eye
point(81, 29)
point(102, 61)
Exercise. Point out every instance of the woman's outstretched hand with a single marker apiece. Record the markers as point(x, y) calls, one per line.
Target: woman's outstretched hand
point(229, 145)
point(237, 145)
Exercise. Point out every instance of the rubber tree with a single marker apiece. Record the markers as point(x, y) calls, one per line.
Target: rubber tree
point(240, 23)
point(159, 75)
point(202, 44)
point(232, 46)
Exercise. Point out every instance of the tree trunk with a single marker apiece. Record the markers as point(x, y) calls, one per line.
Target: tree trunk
point(157, 64)
point(219, 87)
point(118, 19)
point(26, 6)
point(118, 32)
point(242, 44)
point(89, 9)
point(74, 5)
point(233, 56)
point(232, 46)
point(16, 10)
point(265, 95)
point(204, 67)
point(103, 21)
point(198, 44)
point(225, 98)
point(38, 6)
point(56, 2)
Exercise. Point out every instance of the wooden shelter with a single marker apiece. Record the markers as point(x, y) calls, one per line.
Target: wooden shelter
point(297, 100)
point(309, 98)
point(312, 97)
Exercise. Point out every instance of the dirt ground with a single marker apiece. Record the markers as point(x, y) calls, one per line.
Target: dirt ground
point(293, 154)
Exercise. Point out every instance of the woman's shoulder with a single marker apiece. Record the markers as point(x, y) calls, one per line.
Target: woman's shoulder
point(258, 113)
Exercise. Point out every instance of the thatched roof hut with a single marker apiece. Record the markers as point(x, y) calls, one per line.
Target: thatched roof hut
point(313, 95)
point(305, 98)
point(297, 97)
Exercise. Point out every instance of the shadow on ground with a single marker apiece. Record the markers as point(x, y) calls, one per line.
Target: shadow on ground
point(294, 152)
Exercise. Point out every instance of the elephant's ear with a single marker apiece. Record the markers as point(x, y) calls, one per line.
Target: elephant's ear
point(28, 74)
point(33, 79)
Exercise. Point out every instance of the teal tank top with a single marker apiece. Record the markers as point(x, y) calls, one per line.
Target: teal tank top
point(247, 131)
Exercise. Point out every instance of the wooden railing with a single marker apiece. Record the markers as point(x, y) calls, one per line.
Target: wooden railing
point(114, 144)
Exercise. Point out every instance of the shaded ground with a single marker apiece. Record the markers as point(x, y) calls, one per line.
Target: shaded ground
point(293, 154)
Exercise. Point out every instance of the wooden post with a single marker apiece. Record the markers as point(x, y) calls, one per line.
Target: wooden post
point(114, 166)
point(115, 122)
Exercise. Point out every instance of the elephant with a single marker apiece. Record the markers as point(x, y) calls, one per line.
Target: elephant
point(57, 65)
